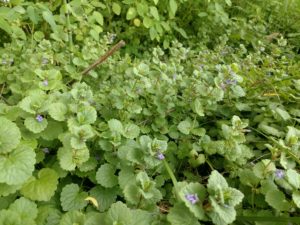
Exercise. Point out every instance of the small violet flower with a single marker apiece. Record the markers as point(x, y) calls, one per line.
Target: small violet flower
point(39, 118)
point(160, 156)
point(279, 174)
point(192, 198)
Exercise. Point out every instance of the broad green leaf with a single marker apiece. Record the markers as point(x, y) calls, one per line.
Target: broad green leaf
point(72, 218)
point(147, 22)
point(32, 14)
point(4, 25)
point(115, 126)
point(106, 176)
point(53, 130)
point(69, 158)
point(131, 131)
point(6, 189)
point(247, 177)
point(233, 196)
point(116, 8)
point(47, 15)
point(141, 217)
point(216, 181)
point(180, 214)
point(269, 130)
point(293, 178)
point(98, 17)
point(72, 199)
point(185, 127)
point(10, 135)
point(9, 217)
point(119, 214)
point(296, 198)
point(154, 12)
point(17, 166)
point(58, 111)
point(131, 13)
point(26, 209)
point(34, 125)
point(277, 200)
point(283, 114)
point(43, 187)
point(104, 196)
point(87, 115)
point(221, 214)
point(198, 107)
point(173, 6)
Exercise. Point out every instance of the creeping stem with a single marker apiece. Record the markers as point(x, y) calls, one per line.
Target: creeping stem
point(104, 57)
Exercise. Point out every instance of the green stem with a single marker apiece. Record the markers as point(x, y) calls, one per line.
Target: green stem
point(172, 176)
point(68, 26)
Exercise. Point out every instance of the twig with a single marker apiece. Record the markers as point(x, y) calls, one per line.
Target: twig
point(104, 57)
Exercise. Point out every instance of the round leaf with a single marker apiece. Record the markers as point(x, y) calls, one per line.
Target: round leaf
point(72, 199)
point(10, 135)
point(42, 188)
point(17, 166)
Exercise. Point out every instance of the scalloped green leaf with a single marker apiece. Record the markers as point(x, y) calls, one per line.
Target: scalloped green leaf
point(6, 189)
point(43, 187)
point(8, 217)
point(72, 218)
point(277, 200)
point(221, 214)
point(185, 127)
point(17, 166)
point(10, 135)
point(87, 115)
point(131, 131)
point(58, 111)
point(52, 131)
point(26, 209)
point(34, 125)
point(116, 8)
point(179, 214)
point(105, 196)
point(72, 199)
point(69, 158)
point(115, 126)
point(106, 176)
point(34, 102)
point(119, 213)
point(216, 181)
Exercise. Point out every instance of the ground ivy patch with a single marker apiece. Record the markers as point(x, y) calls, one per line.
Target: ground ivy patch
point(178, 133)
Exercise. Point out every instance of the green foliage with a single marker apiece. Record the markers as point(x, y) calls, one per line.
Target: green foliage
point(198, 125)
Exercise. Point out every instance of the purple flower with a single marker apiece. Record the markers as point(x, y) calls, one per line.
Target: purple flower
point(39, 118)
point(279, 173)
point(192, 198)
point(174, 77)
point(46, 150)
point(45, 82)
point(160, 156)
point(97, 157)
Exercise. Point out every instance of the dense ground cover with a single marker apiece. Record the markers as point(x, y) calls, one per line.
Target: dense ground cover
point(194, 121)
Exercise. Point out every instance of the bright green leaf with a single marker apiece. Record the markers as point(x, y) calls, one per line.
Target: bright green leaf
point(43, 187)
